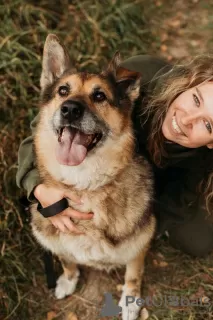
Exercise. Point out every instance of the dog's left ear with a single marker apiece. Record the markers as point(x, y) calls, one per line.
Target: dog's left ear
point(128, 81)
point(55, 60)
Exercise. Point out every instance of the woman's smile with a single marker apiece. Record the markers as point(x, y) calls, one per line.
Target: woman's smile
point(176, 128)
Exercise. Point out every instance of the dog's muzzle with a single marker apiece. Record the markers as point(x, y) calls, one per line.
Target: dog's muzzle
point(78, 133)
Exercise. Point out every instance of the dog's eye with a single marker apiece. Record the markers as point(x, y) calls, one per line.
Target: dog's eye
point(63, 91)
point(99, 96)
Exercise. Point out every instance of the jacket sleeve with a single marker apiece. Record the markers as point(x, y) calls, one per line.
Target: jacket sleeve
point(148, 66)
point(27, 176)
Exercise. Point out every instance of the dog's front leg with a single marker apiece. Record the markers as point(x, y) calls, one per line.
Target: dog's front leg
point(66, 283)
point(132, 287)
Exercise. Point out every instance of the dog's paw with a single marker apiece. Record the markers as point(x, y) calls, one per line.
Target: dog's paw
point(130, 311)
point(65, 287)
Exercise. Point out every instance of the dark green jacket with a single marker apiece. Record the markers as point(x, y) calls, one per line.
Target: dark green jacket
point(183, 163)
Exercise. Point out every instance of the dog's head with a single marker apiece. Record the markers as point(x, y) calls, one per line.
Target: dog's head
point(86, 112)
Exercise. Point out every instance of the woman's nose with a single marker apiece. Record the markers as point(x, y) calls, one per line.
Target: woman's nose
point(189, 119)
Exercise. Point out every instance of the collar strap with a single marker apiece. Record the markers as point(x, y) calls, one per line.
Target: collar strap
point(54, 208)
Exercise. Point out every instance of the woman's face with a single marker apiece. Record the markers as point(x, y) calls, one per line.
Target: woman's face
point(189, 120)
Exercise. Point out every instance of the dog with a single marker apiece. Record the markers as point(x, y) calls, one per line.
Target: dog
point(84, 143)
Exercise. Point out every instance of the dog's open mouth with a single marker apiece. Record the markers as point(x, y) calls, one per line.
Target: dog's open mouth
point(73, 145)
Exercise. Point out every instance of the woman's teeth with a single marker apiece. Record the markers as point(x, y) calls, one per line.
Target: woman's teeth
point(175, 125)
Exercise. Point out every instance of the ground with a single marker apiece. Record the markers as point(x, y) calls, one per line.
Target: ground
point(93, 31)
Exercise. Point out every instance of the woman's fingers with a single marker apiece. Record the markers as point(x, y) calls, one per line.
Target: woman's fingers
point(59, 225)
point(64, 224)
point(70, 226)
point(77, 214)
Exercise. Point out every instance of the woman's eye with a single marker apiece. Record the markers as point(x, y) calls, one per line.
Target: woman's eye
point(196, 100)
point(208, 126)
point(63, 91)
point(99, 96)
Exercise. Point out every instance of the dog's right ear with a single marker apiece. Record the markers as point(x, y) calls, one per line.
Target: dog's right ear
point(128, 81)
point(55, 61)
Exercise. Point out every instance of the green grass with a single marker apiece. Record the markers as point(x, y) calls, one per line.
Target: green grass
point(93, 31)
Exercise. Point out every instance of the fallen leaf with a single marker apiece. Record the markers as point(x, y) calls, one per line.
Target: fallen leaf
point(51, 315)
point(174, 23)
point(206, 277)
point(152, 290)
point(155, 262)
point(200, 293)
point(144, 314)
point(169, 58)
point(177, 51)
point(195, 43)
point(160, 255)
point(163, 48)
point(205, 299)
point(119, 287)
point(164, 37)
point(71, 316)
point(163, 264)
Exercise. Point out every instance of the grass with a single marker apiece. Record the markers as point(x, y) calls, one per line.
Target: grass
point(93, 31)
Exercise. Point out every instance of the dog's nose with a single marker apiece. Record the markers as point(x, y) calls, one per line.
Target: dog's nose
point(72, 110)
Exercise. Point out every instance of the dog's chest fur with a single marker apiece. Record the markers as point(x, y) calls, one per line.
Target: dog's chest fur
point(118, 229)
point(93, 251)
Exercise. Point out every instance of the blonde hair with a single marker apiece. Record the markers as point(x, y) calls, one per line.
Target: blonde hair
point(168, 87)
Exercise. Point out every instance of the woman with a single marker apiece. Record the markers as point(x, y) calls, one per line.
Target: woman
point(174, 129)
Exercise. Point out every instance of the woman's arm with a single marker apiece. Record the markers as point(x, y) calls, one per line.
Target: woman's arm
point(27, 176)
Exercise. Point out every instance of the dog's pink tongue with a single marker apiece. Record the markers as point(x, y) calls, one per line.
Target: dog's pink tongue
point(71, 150)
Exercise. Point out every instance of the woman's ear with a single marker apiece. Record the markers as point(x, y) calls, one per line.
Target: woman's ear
point(210, 145)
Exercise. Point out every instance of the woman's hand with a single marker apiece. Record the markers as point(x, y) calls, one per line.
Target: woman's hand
point(62, 221)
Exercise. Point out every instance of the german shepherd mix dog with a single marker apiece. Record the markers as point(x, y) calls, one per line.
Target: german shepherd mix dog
point(85, 143)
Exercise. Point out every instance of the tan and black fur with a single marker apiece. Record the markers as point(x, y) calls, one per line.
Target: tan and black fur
point(113, 182)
